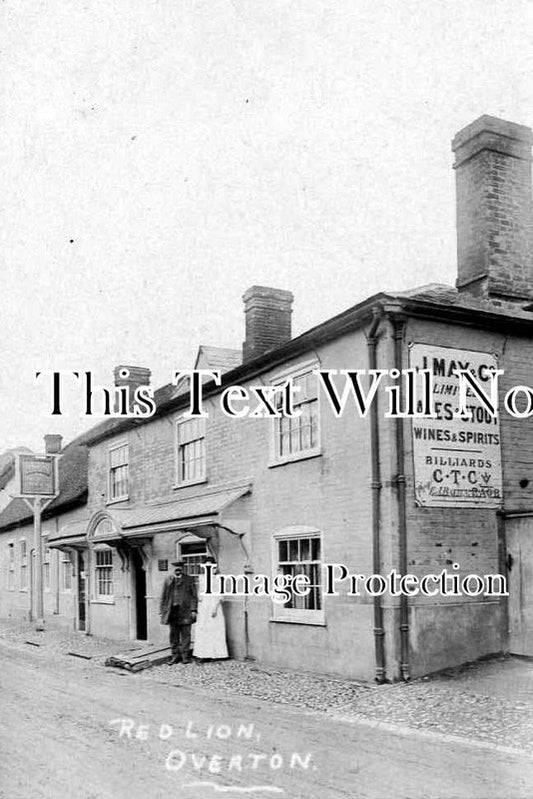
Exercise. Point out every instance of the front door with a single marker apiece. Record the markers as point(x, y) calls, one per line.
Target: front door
point(81, 592)
point(519, 534)
point(139, 579)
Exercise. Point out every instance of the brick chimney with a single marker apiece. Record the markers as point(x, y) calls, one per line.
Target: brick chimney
point(52, 444)
point(267, 315)
point(494, 209)
point(132, 376)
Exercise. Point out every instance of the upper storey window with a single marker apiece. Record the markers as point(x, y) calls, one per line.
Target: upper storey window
point(298, 436)
point(118, 472)
point(190, 451)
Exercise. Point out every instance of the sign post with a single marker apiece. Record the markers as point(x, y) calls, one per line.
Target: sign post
point(37, 484)
point(38, 545)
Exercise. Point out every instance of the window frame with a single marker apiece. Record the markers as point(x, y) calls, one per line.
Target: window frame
point(66, 560)
point(11, 565)
point(23, 564)
point(108, 598)
point(192, 560)
point(298, 615)
point(202, 477)
point(47, 572)
point(293, 372)
point(124, 444)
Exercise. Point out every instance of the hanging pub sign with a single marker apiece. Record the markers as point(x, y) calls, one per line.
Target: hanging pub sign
point(37, 476)
point(457, 461)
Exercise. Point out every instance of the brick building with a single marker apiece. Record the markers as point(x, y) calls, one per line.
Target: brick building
point(373, 493)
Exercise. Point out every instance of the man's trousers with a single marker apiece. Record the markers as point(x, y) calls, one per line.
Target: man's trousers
point(180, 635)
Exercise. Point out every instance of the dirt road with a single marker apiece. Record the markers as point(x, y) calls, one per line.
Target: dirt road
point(72, 729)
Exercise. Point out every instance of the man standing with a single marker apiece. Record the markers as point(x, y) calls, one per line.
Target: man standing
point(177, 608)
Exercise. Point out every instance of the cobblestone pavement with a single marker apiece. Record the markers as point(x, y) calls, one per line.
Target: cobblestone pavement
point(489, 701)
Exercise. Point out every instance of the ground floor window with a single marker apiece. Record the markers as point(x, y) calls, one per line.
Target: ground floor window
point(23, 565)
point(103, 572)
point(193, 554)
point(11, 565)
point(66, 569)
point(298, 550)
point(46, 569)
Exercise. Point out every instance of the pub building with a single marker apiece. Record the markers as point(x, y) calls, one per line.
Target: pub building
point(288, 495)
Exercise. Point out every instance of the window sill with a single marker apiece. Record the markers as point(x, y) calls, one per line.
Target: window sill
point(297, 456)
point(199, 481)
point(21, 590)
point(316, 622)
point(103, 601)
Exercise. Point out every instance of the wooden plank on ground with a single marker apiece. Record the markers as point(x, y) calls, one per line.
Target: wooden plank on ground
point(140, 659)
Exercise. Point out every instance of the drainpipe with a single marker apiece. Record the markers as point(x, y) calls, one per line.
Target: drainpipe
point(398, 323)
point(504, 567)
point(57, 554)
point(376, 485)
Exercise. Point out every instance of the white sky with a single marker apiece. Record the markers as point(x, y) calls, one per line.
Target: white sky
point(193, 149)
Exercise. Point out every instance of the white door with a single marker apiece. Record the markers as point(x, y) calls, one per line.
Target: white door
point(519, 533)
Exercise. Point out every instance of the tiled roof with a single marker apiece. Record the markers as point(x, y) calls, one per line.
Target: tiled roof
point(202, 505)
point(221, 358)
point(72, 488)
point(441, 294)
point(7, 464)
point(199, 509)
point(72, 532)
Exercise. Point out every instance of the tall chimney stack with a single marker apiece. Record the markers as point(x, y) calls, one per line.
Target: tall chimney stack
point(268, 320)
point(494, 209)
point(52, 443)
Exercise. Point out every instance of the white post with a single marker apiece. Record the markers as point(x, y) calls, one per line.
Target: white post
point(38, 543)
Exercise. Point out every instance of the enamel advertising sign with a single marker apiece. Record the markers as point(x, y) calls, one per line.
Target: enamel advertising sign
point(457, 462)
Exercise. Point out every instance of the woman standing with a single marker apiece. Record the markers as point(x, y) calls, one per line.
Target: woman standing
point(210, 630)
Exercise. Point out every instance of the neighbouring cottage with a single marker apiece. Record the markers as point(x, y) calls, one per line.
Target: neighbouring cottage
point(288, 495)
point(63, 580)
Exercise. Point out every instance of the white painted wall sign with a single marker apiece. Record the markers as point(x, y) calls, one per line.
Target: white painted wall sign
point(457, 462)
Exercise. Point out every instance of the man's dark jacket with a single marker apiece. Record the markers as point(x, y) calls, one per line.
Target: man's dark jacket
point(188, 599)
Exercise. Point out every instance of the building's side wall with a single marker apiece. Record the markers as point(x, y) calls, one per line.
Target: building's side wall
point(445, 631)
point(59, 591)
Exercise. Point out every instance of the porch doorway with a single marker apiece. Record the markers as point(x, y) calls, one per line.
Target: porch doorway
point(519, 535)
point(82, 593)
point(139, 596)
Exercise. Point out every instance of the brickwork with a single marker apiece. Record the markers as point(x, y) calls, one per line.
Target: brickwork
point(494, 209)
point(267, 313)
point(447, 630)
point(329, 492)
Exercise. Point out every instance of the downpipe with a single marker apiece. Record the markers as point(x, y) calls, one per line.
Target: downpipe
point(376, 486)
point(405, 669)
